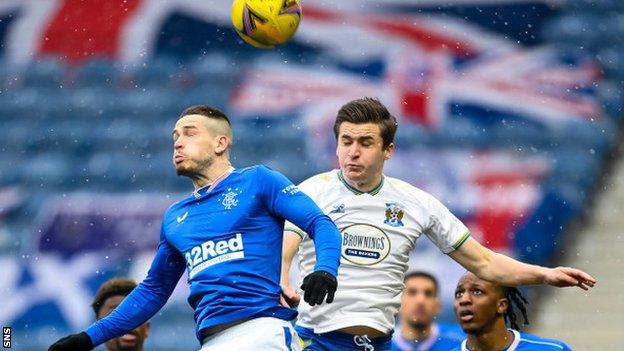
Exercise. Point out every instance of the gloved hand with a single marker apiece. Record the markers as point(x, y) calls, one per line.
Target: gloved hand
point(74, 342)
point(317, 285)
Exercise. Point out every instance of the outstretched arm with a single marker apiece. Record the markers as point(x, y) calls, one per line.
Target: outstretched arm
point(504, 270)
point(137, 308)
point(145, 300)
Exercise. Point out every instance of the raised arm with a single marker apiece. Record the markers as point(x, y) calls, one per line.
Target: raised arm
point(504, 270)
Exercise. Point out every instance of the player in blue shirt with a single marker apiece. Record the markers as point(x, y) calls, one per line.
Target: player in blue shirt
point(487, 313)
point(417, 329)
point(228, 236)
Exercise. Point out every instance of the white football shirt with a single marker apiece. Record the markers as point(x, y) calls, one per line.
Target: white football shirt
point(379, 230)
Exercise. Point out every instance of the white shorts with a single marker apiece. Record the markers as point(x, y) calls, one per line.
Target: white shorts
point(265, 333)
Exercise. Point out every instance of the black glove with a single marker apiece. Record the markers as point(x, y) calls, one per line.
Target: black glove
point(318, 284)
point(74, 342)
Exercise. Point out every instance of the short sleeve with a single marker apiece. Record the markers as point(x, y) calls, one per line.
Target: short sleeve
point(446, 231)
point(290, 227)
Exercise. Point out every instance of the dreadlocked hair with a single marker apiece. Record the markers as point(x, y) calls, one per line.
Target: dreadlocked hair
point(516, 302)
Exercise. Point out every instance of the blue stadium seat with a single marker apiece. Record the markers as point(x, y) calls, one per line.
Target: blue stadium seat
point(612, 61)
point(159, 72)
point(601, 7)
point(45, 72)
point(215, 68)
point(576, 166)
point(47, 169)
point(582, 29)
point(97, 73)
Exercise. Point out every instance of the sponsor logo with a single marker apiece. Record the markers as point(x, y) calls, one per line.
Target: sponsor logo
point(338, 209)
point(213, 252)
point(364, 342)
point(183, 217)
point(394, 214)
point(364, 244)
point(291, 189)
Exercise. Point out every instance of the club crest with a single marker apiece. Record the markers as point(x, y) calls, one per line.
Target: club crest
point(394, 214)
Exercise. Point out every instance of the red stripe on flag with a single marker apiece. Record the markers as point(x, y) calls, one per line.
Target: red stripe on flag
point(405, 29)
point(87, 28)
point(496, 228)
point(427, 39)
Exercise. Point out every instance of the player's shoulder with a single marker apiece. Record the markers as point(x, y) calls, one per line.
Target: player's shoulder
point(451, 332)
point(174, 208)
point(260, 171)
point(533, 342)
point(408, 192)
point(321, 178)
point(404, 187)
point(253, 169)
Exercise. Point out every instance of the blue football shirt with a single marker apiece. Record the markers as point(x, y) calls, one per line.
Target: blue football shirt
point(229, 238)
point(442, 338)
point(527, 342)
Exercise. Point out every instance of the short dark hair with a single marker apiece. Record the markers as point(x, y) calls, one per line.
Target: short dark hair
point(423, 274)
point(207, 111)
point(112, 287)
point(368, 110)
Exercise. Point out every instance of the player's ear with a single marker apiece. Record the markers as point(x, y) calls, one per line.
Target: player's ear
point(222, 144)
point(389, 151)
point(502, 306)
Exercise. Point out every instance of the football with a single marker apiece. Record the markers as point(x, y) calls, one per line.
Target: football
point(266, 23)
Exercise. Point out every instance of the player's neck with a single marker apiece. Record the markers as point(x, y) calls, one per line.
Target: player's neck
point(217, 170)
point(497, 338)
point(414, 333)
point(366, 185)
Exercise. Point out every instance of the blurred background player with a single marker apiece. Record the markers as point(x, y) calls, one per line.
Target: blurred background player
point(107, 298)
point(380, 219)
point(226, 233)
point(487, 311)
point(420, 306)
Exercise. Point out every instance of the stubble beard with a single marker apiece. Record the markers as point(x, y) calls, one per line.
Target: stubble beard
point(197, 167)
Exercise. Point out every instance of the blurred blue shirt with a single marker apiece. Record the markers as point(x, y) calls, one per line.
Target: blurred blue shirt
point(442, 338)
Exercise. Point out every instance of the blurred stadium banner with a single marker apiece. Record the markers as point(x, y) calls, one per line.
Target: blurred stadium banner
point(83, 240)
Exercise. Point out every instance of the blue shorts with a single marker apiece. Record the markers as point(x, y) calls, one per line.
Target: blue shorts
point(337, 341)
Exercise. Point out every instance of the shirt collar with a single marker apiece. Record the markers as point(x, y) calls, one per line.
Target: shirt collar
point(424, 345)
point(512, 347)
point(210, 186)
point(372, 192)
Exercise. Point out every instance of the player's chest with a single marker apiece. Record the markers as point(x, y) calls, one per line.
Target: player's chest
point(212, 217)
point(372, 227)
point(387, 213)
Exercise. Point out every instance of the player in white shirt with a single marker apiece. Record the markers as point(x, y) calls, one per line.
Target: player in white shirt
point(380, 219)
